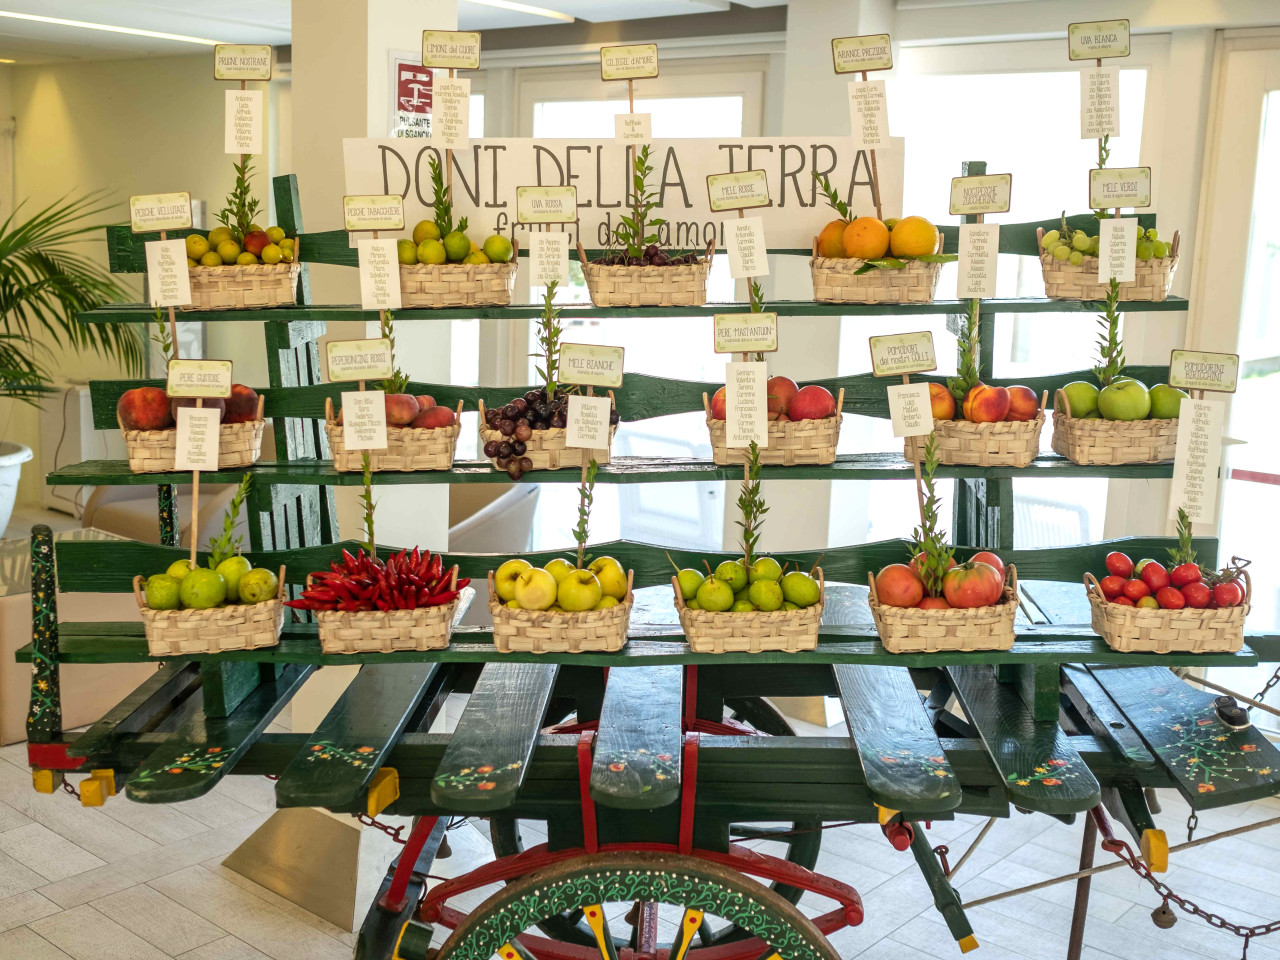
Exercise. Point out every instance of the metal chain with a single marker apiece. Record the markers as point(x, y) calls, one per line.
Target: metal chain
point(68, 788)
point(1262, 694)
point(1193, 822)
point(392, 832)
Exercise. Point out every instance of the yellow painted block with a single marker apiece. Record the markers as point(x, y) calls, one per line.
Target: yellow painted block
point(46, 781)
point(95, 789)
point(108, 777)
point(968, 944)
point(885, 814)
point(1155, 850)
point(383, 791)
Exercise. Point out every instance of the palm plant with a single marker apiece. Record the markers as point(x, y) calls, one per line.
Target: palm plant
point(45, 280)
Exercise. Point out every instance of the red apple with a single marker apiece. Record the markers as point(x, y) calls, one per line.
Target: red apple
point(1119, 564)
point(1023, 404)
point(1112, 586)
point(254, 241)
point(779, 391)
point(216, 402)
point(242, 405)
point(401, 409)
point(144, 408)
point(425, 401)
point(433, 417)
point(717, 405)
point(941, 402)
point(812, 403)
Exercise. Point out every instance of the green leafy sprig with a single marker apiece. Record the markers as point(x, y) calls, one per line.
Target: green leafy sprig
point(227, 544)
point(442, 200)
point(160, 336)
point(366, 498)
point(398, 382)
point(833, 198)
point(1110, 349)
point(970, 345)
point(549, 332)
point(633, 231)
point(929, 542)
point(241, 206)
point(752, 505)
point(586, 494)
point(756, 292)
point(1182, 553)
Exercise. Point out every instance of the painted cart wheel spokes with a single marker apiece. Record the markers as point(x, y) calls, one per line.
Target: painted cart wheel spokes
point(591, 883)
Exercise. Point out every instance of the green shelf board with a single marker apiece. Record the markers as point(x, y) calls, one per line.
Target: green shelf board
point(858, 466)
point(140, 313)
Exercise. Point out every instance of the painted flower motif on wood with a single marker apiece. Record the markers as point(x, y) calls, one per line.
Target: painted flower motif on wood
point(1051, 773)
point(325, 750)
point(199, 762)
point(483, 776)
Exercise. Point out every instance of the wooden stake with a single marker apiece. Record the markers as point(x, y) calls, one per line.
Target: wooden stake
point(906, 381)
point(173, 323)
point(195, 502)
point(631, 95)
point(875, 177)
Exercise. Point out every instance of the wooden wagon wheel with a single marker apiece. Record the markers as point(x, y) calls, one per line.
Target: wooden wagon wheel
point(590, 883)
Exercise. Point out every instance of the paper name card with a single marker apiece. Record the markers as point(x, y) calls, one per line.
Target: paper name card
point(590, 364)
point(242, 61)
point(868, 114)
point(743, 190)
point(160, 211)
point(243, 129)
point(910, 410)
point(547, 204)
point(988, 193)
point(636, 61)
point(198, 378)
point(378, 212)
point(856, 54)
point(745, 332)
point(1097, 39)
point(587, 422)
point(746, 404)
point(451, 49)
point(1197, 370)
point(979, 253)
point(197, 438)
point(364, 420)
point(548, 258)
point(379, 274)
point(168, 278)
point(1117, 249)
point(351, 360)
point(744, 241)
point(451, 112)
point(1120, 187)
point(901, 353)
point(1197, 460)
point(633, 126)
point(1099, 102)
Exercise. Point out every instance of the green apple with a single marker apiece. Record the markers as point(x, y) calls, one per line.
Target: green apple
point(1124, 400)
point(714, 595)
point(258, 585)
point(535, 589)
point(607, 601)
point(742, 606)
point(504, 580)
point(690, 580)
point(231, 570)
point(1082, 397)
point(1166, 401)
point(162, 592)
point(580, 590)
point(801, 589)
point(788, 605)
point(734, 573)
point(559, 568)
point(613, 579)
point(202, 589)
point(766, 568)
point(179, 569)
point(765, 594)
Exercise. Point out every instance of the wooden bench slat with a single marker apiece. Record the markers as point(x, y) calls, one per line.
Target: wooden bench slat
point(488, 755)
point(174, 681)
point(901, 757)
point(1105, 719)
point(637, 750)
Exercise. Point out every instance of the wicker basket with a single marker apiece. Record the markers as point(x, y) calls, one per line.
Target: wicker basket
point(1064, 280)
point(684, 285)
point(387, 631)
point(435, 285)
point(912, 630)
point(546, 448)
point(1006, 443)
point(237, 626)
point(1154, 630)
point(752, 631)
point(558, 631)
point(243, 286)
point(836, 280)
point(791, 443)
point(1087, 441)
point(408, 448)
point(155, 451)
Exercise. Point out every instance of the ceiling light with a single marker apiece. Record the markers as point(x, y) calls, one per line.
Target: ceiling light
point(2, 60)
point(109, 28)
point(526, 8)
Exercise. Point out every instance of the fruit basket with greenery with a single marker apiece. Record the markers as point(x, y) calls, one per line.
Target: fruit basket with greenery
point(997, 426)
point(564, 607)
point(750, 604)
point(1119, 420)
point(642, 274)
point(442, 267)
point(868, 260)
point(238, 265)
point(1069, 261)
point(934, 604)
point(227, 605)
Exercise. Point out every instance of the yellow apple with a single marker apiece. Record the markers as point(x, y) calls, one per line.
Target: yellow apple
point(535, 589)
point(607, 602)
point(613, 579)
point(504, 580)
point(559, 568)
point(580, 590)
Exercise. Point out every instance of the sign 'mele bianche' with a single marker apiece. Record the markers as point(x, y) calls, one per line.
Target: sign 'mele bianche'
point(451, 49)
point(1098, 39)
point(859, 54)
point(160, 211)
point(637, 61)
point(352, 360)
point(590, 364)
point(987, 193)
point(894, 354)
point(198, 378)
point(546, 204)
point(242, 61)
point(1198, 370)
point(1120, 187)
point(373, 212)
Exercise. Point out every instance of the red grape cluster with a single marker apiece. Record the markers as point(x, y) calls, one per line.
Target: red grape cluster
point(653, 257)
point(517, 421)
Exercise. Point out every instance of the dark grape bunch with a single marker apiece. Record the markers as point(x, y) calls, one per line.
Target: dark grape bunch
point(517, 421)
point(653, 257)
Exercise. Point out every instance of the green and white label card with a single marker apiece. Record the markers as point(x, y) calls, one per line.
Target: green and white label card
point(1197, 370)
point(1120, 187)
point(743, 190)
point(1098, 39)
point(856, 54)
point(373, 212)
point(198, 378)
point(590, 364)
point(451, 49)
point(894, 354)
point(636, 61)
point(352, 360)
point(745, 332)
point(988, 193)
point(160, 211)
point(547, 204)
point(242, 61)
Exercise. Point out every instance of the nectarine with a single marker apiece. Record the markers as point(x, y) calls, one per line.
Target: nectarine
point(144, 408)
point(941, 402)
point(717, 405)
point(986, 404)
point(425, 400)
point(242, 405)
point(1022, 404)
point(433, 417)
point(401, 409)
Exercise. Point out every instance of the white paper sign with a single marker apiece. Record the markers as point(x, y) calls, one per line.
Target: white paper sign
point(364, 420)
point(1117, 248)
point(548, 258)
point(197, 439)
point(633, 126)
point(909, 409)
point(450, 111)
point(1099, 102)
point(243, 121)
point(1197, 460)
point(868, 113)
point(379, 274)
point(746, 404)
point(587, 426)
point(747, 254)
point(979, 249)
point(168, 279)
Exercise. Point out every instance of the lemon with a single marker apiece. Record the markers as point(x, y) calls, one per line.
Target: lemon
point(211, 259)
point(431, 251)
point(197, 246)
point(219, 235)
point(275, 234)
point(285, 244)
point(228, 250)
point(271, 253)
point(913, 237)
point(246, 259)
point(474, 246)
point(425, 230)
point(406, 251)
point(457, 246)
point(475, 256)
point(190, 262)
point(498, 249)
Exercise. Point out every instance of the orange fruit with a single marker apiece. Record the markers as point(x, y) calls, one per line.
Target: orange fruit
point(913, 237)
point(831, 239)
point(866, 238)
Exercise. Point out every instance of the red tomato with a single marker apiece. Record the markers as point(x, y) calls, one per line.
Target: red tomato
point(1135, 590)
point(1119, 564)
point(972, 585)
point(919, 559)
point(933, 603)
point(897, 586)
point(1154, 576)
point(1197, 595)
point(1112, 586)
point(1227, 595)
point(1171, 598)
point(1183, 574)
point(986, 556)
point(1123, 601)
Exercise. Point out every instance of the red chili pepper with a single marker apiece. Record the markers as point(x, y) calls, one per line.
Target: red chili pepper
point(435, 567)
point(463, 582)
point(348, 606)
point(397, 598)
point(384, 606)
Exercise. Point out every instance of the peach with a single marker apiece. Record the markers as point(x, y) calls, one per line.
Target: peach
point(941, 402)
point(425, 401)
point(812, 403)
point(780, 391)
point(217, 402)
point(144, 408)
point(433, 417)
point(242, 405)
point(717, 405)
point(401, 409)
point(1023, 404)
point(986, 404)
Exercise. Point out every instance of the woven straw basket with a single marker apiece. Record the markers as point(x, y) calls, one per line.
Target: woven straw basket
point(1006, 443)
point(559, 631)
point(155, 451)
point(1154, 630)
point(791, 443)
point(1066, 281)
point(435, 285)
point(387, 631)
point(546, 448)
point(408, 448)
point(752, 631)
point(836, 280)
point(237, 626)
point(683, 285)
point(1086, 441)
point(244, 286)
point(912, 630)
